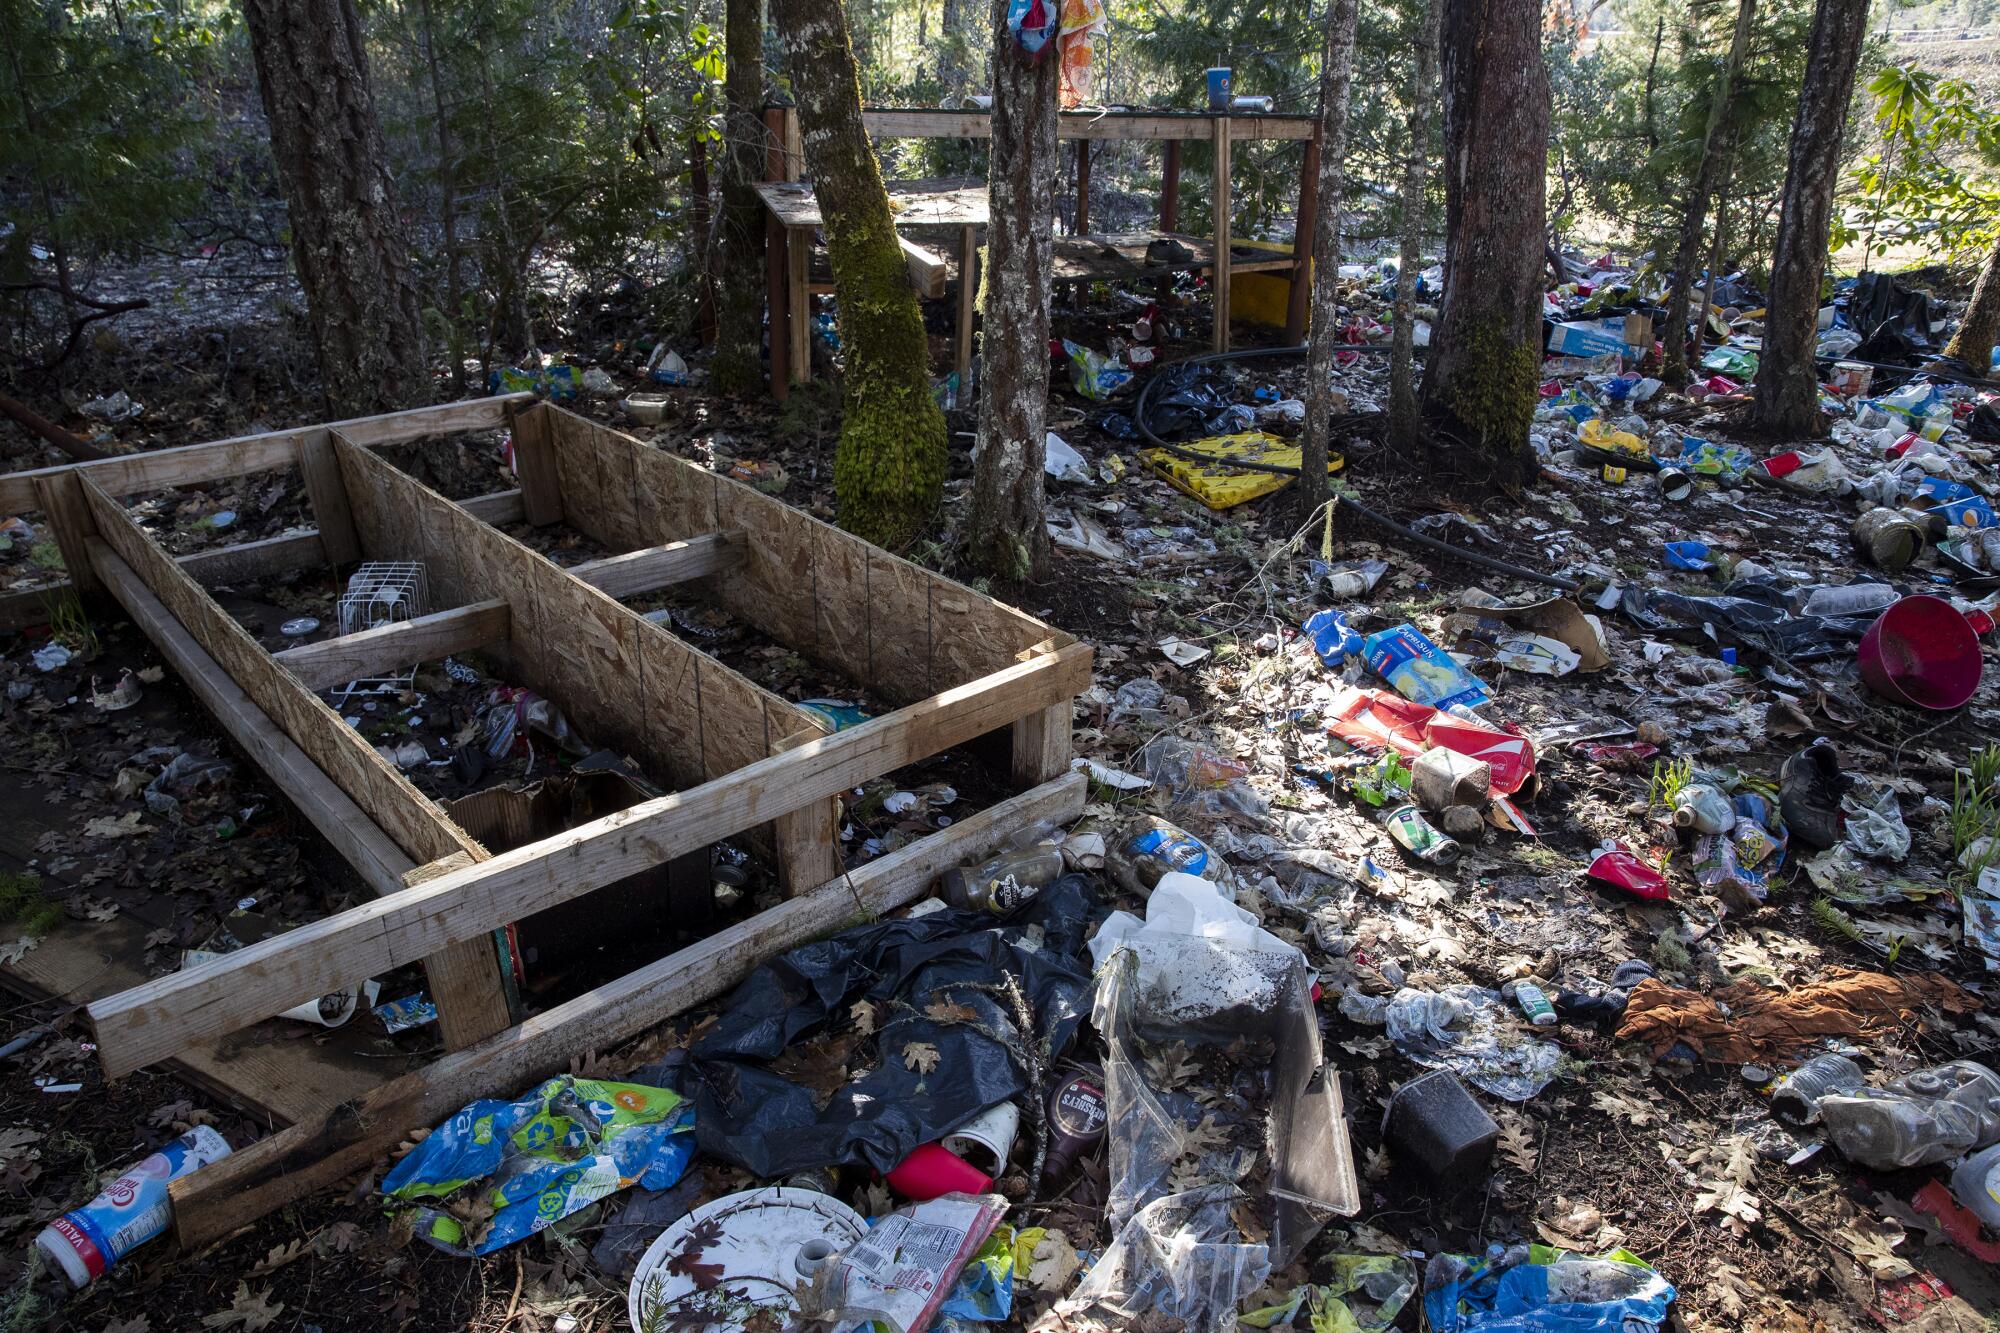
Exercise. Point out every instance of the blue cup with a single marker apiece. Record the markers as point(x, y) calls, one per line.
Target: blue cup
point(1218, 88)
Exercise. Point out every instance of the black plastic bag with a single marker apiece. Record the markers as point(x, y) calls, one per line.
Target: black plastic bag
point(1749, 613)
point(769, 1124)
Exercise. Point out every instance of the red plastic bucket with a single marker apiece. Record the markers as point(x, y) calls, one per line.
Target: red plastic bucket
point(1922, 652)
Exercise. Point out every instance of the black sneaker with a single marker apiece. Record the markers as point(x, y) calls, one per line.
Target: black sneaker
point(1809, 790)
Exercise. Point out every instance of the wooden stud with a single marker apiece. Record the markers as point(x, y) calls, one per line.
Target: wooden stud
point(657, 567)
point(535, 467)
point(464, 977)
point(1041, 745)
point(1113, 125)
point(387, 648)
point(798, 261)
point(1219, 197)
point(795, 151)
point(227, 1195)
point(968, 289)
point(927, 268)
point(1082, 187)
point(60, 498)
point(1299, 299)
point(777, 263)
point(1170, 188)
point(153, 1021)
point(808, 839)
point(328, 494)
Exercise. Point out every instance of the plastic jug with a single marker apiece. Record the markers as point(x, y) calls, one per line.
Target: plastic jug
point(1976, 1185)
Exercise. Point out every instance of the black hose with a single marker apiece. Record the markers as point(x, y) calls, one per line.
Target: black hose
point(1380, 520)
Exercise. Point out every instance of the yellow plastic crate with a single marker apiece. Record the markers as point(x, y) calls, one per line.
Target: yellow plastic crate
point(1220, 486)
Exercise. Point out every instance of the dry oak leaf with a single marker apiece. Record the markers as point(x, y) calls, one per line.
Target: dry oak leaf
point(251, 1312)
point(920, 1056)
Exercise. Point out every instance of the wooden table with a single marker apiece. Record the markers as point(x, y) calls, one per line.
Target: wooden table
point(955, 202)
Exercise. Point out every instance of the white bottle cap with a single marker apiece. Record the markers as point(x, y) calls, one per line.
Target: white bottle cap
point(55, 1247)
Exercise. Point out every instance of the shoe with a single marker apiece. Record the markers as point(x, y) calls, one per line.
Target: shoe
point(1809, 789)
point(1165, 250)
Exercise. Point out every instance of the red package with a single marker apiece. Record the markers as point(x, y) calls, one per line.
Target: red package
point(1615, 866)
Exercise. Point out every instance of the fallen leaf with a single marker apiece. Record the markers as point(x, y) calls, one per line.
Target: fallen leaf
point(1517, 1144)
point(863, 1014)
point(687, 1263)
point(250, 1311)
point(15, 950)
point(102, 911)
point(279, 1256)
point(138, 1323)
point(1053, 1263)
point(164, 1117)
point(151, 675)
point(920, 1056)
point(947, 1011)
point(1874, 1243)
point(1167, 1067)
point(1620, 1107)
point(342, 1237)
point(128, 825)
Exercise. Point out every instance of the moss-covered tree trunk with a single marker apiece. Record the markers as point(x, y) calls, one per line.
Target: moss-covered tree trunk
point(348, 241)
point(1715, 141)
point(1486, 351)
point(1787, 401)
point(1405, 421)
point(888, 469)
point(1973, 343)
point(1006, 535)
point(1323, 328)
point(739, 321)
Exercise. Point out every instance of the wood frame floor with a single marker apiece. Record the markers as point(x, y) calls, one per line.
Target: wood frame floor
point(747, 763)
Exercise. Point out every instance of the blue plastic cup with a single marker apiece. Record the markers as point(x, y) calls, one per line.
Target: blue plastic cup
point(1218, 87)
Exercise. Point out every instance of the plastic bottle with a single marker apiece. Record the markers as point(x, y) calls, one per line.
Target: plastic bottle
point(1976, 1185)
point(1856, 599)
point(133, 1209)
point(1703, 808)
point(1795, 1099)
point(1003, 882)
point(1535, 1004)
point(1149, 847)
point(1078, 1113)
point(1886, 1131)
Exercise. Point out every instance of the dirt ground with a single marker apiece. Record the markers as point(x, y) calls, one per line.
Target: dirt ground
point(1671, 1158)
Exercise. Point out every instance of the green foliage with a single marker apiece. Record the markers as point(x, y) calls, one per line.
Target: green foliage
point(1936, 175)
point(23, 908)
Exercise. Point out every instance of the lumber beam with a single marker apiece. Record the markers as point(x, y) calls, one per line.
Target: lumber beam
point(151, 1022)
point(328, 494)
point(217, 1200)
point(535, 466)
point(1041, 741)
point(656, 567)
point(130, 473)
point(243, 562)
point(467, 968)
point(1218, 197)
point(927, 268)
point(387, 648)
point(930, 124)
point(60, 498)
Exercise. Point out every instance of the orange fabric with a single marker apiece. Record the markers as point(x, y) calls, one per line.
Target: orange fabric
point(1746, 1021)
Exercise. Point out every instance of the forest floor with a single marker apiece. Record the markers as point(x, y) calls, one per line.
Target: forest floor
point(1631, 1145)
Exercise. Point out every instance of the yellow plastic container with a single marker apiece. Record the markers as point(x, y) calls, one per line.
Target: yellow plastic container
point(1261, 298)
point(1220, 486)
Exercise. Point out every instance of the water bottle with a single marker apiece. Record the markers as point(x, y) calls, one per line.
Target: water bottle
point(1856, 599)
point(1885, 1131)
point(1795, 1099)
point(133, 1209)
point(1150, 847)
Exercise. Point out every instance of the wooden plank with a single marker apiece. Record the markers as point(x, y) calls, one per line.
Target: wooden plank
point(328, 494)
point(1082, 187)
point(927, 268)
point(1298, 299)
point(655, 567)
point(387, 648)
point(464, 978)
point(243, 562)
point(535, 467)
point(155, 1020)
point(215, 1201)
point(1218, 195)
point(777, 268)
point(60, 498)
point(1170, 188)
point(1041, 741)
point(841, 603)
point(808, 839)
point(130, 473)
point(929, 124)
point(968, 291)
point(798, 328)
point(265, 1072)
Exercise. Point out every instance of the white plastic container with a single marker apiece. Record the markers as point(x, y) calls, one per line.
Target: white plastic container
point(133, 1209)
point(1976, 1185)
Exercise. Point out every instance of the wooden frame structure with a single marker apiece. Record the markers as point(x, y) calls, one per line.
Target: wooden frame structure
point(788, 239)
point(747, 762)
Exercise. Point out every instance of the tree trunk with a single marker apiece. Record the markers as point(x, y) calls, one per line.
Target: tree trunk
point(1787, 401)
point(739, 338)
point(888, 469)
point(1336, 71)
point(1973, 343)
point(454, 293)
point(1708, 178)
point(1486, 351)
point(1405, 425)
point(951, 54)
point(1006, 535)
point(348, 241)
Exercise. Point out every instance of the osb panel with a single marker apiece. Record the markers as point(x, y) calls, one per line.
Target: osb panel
point(673, 499)
point(841, 603)
point(601, 474)
point(774, 588)
point(899, 628)
point(673, 711)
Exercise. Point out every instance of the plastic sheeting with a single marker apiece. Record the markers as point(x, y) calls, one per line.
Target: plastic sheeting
point(1536, 1289)
point(772, 1125)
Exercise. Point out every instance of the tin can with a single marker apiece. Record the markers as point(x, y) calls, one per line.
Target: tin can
point(1614, 475)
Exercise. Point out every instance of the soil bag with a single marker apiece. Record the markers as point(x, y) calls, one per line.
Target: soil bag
point(772, 1125)
point(908, 1264)
point(1537, 1289)
point(564, 1146)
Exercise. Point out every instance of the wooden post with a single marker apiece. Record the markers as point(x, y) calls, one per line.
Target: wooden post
point(704, 257)
point(327, 490)
point(795, 149)
point(1082, 186)
point(808, 839)
point(1042, 750)
point(535, 466)
point(776, 261)
point(1170, 188)
point(1299, 299)
point(1219, 196)
point(60, 498)
point(798, 256)
point(968, 288)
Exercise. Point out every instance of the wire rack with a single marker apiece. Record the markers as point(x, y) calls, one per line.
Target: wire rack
point(382, 592)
